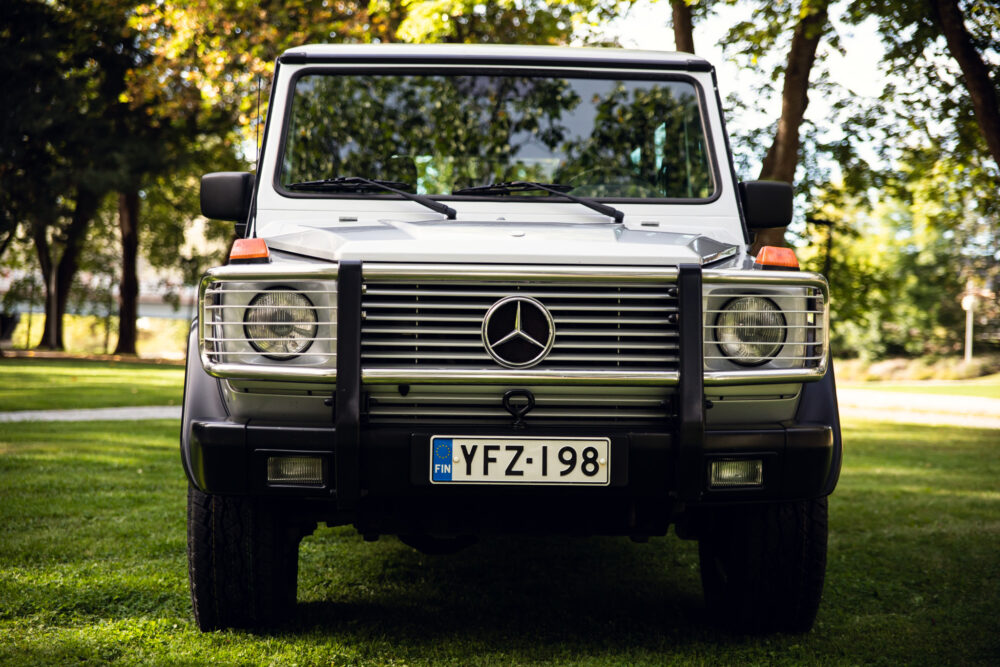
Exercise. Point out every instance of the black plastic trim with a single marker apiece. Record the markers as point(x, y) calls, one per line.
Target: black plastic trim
point(798, 457)
point(818, 405)
point(300, 58)
point(691, 391)
point(347, 415)
point(202, 401)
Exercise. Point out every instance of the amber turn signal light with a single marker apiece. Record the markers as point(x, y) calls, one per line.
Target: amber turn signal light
point(773, 257)
point(249, 251)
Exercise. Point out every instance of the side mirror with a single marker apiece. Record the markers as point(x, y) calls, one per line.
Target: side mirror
point(225, 195)
point(766, 203)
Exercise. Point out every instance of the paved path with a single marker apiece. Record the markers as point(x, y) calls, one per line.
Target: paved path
point(109, 414)
point(901, 407)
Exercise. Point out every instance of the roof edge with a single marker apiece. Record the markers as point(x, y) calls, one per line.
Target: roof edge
point(545, 56)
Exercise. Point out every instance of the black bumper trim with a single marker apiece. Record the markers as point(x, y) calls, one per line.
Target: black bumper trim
point(798, 458)
point(347, 415)
point(691, 390)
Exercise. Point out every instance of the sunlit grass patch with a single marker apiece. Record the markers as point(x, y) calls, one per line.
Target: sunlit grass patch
point(55, 384)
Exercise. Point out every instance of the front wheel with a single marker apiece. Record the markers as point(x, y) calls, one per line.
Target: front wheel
point(762, 566)
point(242, 561)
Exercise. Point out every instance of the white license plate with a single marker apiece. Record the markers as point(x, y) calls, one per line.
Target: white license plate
point(502, 460)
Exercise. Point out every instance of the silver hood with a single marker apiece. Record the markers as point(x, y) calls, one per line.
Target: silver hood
point(495, 242)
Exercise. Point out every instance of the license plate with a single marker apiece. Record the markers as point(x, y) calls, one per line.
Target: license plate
point(501, 460)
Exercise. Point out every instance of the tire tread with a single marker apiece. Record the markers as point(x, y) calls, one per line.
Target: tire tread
point(242, 562)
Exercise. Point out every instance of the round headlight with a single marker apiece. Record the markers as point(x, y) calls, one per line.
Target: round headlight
point(750, 330)
point(280, 323)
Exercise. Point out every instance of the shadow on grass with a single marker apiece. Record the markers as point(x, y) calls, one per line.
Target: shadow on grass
point(528, 596)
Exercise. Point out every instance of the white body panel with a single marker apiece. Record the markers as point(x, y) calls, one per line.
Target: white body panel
point(376, 228)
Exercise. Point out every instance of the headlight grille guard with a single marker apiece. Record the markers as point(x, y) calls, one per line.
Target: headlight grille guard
point(804, 300)
point(813, 289)
point(224, 295)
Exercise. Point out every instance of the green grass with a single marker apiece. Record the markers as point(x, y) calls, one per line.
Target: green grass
point(988, 387)
point(53, 384)
point(92, 571)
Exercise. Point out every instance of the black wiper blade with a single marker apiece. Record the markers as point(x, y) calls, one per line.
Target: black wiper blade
point(348, 184)
point(555, 188)
point(511, 187)
point(360, 184)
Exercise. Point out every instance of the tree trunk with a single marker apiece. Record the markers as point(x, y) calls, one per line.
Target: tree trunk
point(50, 336)
point(128, 293)
point(6, 242)
point(948, 15)
point(783, 156)
point(683, 26)
point(59, 277)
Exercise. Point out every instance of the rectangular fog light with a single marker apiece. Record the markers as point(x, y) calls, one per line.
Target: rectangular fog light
point(294, 470)
point(742, 472)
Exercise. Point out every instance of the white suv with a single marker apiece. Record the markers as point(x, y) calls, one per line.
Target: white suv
point(503, 290)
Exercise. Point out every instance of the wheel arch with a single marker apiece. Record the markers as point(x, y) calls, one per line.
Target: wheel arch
point(202, 401)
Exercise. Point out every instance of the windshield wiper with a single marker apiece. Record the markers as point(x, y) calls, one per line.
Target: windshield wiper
point(555, 188)
point(359, 184)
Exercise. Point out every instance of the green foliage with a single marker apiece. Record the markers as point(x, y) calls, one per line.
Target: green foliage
point(501, 21)
point(147, 95)
point(895, 277)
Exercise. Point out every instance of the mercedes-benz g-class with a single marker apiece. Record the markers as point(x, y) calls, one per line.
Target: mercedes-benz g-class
point(496, 290)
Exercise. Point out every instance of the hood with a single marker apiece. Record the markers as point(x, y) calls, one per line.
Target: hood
point(442, 241)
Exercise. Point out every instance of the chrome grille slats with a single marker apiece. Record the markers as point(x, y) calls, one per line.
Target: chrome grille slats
point(464, 403)
point(430, 323)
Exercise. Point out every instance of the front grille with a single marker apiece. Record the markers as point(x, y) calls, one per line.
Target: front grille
point(482, 405)
point(598, 327)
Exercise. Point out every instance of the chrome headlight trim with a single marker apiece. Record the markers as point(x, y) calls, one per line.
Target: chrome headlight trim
point(227, 351)
point(292, 325)
point(804, 299)
point(733, 330)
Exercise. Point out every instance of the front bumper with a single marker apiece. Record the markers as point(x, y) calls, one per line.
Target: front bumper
point(376, 476)
point(395, 495)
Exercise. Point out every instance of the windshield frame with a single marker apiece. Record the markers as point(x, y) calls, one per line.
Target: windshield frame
point(582, 72)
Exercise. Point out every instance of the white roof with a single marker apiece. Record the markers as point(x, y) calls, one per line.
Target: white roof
point(500, 52)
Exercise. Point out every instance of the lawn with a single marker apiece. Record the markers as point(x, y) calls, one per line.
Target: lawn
point(52, 384)
point(92, 570)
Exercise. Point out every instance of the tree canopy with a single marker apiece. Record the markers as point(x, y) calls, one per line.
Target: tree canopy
point(131, 101)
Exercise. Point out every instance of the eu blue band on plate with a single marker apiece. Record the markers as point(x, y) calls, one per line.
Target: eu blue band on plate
point(441, 461)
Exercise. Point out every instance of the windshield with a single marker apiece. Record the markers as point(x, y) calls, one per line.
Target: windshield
point(604, 137)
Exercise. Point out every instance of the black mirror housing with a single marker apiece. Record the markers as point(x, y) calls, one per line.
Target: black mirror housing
point(766, 203)
point(225, 195)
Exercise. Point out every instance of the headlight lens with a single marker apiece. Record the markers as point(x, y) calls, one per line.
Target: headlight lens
point(750, 330)
point(280, 323)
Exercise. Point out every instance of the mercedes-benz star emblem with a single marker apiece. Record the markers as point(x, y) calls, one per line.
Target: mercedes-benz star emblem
point(518, 331)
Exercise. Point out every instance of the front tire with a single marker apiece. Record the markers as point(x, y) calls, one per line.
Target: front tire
point(762, 566)
point(242, 561)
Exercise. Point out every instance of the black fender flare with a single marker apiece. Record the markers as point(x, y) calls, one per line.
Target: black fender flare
point(818, 405)
point(202, 399)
